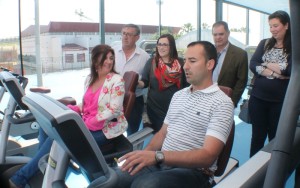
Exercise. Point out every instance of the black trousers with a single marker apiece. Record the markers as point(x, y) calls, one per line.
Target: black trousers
point(264, 117)
point(156, 119)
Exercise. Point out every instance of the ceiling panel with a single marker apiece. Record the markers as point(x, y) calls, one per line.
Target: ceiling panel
point(265, 6)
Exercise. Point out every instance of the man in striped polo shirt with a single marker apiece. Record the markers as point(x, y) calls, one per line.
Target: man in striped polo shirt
point(194, 132)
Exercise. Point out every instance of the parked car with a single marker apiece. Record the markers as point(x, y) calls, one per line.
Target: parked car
point(149, 46)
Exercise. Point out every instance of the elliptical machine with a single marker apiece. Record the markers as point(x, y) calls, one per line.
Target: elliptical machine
point(22, 131)
point(15, 85)
point(13, 156)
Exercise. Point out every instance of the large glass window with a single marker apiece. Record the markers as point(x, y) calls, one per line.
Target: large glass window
point(9, 37)
point(75, 25)
point(237, 24)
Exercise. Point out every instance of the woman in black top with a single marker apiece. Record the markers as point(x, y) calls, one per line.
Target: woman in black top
point(271, 65)
point(163, 75)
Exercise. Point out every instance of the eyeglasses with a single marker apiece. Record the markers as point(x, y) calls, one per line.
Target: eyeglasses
point(128, 34)
point(162, 45)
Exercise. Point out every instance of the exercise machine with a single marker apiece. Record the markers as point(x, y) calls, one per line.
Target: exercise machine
point(28, 126)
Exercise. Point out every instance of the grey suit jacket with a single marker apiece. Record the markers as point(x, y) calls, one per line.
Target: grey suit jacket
point(234, 72)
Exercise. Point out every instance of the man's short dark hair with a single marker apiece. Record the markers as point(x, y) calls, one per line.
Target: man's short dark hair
point(224, 24)
point(210, 50)
point(137, 29)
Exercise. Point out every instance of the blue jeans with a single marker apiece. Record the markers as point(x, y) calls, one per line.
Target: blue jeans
point(23, 175)
point(99, 137)
point(163, 176)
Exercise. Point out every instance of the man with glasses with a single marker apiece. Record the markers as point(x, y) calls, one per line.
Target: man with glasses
point(130, 57)
point(232, 63)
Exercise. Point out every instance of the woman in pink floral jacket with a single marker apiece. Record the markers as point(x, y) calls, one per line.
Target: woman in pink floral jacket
point(102, 110)
point(102, 107)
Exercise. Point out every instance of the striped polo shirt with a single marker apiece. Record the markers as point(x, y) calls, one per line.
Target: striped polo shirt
point(193, 115)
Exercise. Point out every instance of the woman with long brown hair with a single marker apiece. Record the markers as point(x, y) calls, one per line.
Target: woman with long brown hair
point(163, 75)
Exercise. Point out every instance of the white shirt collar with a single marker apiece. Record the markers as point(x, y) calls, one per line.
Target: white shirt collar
point(212, 88)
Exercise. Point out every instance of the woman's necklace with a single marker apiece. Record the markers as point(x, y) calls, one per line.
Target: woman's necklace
point(278, 45)
point(166, 62)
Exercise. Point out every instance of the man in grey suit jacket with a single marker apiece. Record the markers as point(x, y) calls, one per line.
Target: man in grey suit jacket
point(232, 65)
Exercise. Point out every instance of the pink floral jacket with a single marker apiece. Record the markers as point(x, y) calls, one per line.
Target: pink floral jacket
point(110, 105)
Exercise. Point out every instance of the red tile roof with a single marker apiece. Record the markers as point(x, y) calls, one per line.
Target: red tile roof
point(59, 27)
point(73, 47)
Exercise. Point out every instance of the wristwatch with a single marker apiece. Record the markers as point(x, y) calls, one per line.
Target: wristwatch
point(159, 157)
